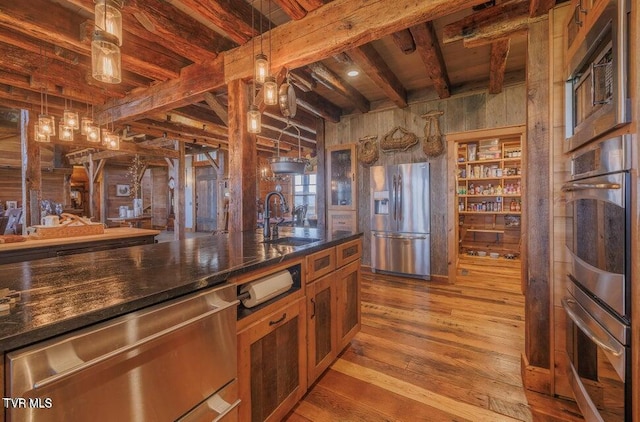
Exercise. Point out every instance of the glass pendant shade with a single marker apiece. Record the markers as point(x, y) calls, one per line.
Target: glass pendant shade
point(110, 140)
point(253, 120)
point(93, 133)
point(47, 124)
point(270, 89)
point(105, 58)
point(70, 119)
point(262, 68)
point(65, 133)
point(108, 18)
point(39, 136)
point(85, 122)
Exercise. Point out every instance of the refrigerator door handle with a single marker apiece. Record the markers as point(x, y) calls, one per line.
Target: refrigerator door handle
point(400, 188)
point(392, 236)
point(393, 196)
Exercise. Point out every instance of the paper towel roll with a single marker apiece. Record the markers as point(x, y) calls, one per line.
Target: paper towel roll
point(266, 288)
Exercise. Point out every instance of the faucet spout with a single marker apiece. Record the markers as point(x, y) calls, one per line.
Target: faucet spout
point(266, 230)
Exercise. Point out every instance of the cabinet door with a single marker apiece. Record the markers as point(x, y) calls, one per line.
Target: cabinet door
point(321, 326)
point(273, 364)
point(348, 291)
point(341, 177)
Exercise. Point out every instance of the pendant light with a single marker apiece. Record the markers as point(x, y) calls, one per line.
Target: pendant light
point(85, 123)
point(262, 62)
point(65, 133)
point(270, 87)
point(70, 117)
point(93, 133)
point(106, 42)
point(254, 123)
point(111, 140)
point(39, 136)
point(46, 126)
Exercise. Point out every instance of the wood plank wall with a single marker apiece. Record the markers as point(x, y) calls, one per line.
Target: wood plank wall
point(464, 112)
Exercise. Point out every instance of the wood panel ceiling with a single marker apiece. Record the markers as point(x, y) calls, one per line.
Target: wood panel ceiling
point(177, 55)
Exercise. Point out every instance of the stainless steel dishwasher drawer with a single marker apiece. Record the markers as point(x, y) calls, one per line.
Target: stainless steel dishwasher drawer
point(152, 365)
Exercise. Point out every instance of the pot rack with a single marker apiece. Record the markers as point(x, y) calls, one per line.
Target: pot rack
point(288, 165)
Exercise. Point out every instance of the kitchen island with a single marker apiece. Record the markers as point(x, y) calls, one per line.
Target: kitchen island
point(70, 292)
point(63, 299)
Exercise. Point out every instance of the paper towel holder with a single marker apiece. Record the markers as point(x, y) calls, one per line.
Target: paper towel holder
point(296, 275)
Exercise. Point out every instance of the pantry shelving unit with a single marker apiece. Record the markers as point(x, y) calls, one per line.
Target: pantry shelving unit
point(486, 201)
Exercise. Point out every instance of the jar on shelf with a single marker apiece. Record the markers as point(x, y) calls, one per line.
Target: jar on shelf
point(512, 205)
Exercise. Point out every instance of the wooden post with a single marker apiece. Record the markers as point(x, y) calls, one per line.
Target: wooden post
point(31, 172)
point(536, 235)
point(181, 182)
point(243, 158)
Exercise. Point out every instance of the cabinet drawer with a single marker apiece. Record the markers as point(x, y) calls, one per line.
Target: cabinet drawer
point(348, 252)
point(320, 263)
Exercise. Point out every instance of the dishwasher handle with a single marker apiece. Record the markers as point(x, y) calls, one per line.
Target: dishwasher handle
point(219, 307)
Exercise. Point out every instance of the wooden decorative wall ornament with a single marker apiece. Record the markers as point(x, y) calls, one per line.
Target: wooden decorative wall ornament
point(432, 144)
point(368, 150)
point(391, 143)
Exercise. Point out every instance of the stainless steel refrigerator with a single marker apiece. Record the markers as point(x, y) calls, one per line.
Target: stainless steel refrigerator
point(400, 226)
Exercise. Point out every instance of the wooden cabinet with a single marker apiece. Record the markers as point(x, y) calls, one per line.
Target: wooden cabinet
point(333, 308)
point(342, 187)
point(322, 329)
point(584, 14)
point(321, 263)
point(348, 299)
point(488, 184)
point(272, 358)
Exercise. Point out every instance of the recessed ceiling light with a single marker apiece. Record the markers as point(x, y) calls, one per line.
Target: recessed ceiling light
point(353, 72)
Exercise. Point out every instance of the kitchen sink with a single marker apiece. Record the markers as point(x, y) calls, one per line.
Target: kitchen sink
point(291, 241)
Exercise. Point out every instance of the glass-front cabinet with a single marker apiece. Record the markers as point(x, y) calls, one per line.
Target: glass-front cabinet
point(342, 187)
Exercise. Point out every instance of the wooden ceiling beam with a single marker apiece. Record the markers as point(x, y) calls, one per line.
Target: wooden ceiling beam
point(217, 107)
point(232, 16)
point(351, 23)
point(498, 65)
point(185, 130)
point(325, 76)
point(489, 25)
point(302, 80)
point(429, 50)
point(540, 7)
point(127, 147)
point(186, 121)
point(371, 63)
point(303, 119)
point(200, 112)
point(404, 40)
point(195, 80)
point(319, 106)
point(311, 5)
point(277, 125)
point(292, 8)
point(161, 130)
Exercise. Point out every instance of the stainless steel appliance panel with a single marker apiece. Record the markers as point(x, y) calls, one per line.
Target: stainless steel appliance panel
point(600, 364)
point(220, 407)
point(154, 364)
point(382, 199)
point(412, 193)
point(401, 253)
point(597, 94)
point(597, 237)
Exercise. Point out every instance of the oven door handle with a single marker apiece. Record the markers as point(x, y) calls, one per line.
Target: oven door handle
point(571, 187)
point(609, 344)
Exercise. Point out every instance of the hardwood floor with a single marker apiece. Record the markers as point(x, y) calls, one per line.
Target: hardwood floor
point(432, 351)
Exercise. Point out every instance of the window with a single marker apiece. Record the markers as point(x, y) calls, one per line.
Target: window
point(304, 192)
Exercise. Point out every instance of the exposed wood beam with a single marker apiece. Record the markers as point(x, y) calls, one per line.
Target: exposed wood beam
point(217, 107)
point(211, 160)
point(498, 65)
point(302, 80)
point(178, 119)
point(127, 147)
point(540, 7)
point(429, 50)
point(303, 119)
point(370, 61)
point(194, 81)
point(311, 5)
point(325, 76)
point(186, 131)
point(232, 16)
point(351, 23)
point(319, 106)
point(292, 8)
point(404, 41)
point(489, 25)
point(166, 25)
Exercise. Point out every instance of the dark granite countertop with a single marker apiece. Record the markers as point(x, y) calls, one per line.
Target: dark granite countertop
point(58, 295)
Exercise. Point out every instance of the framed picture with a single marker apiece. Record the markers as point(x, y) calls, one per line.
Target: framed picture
point(12, 204)
point(123, 190)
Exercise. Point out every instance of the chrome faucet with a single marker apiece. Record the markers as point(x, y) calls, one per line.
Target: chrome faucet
point(266, 231)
